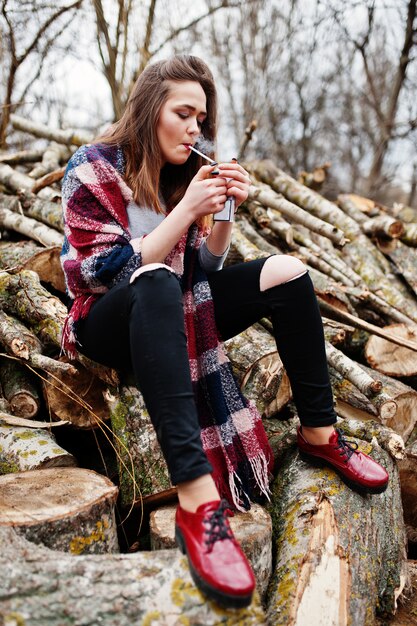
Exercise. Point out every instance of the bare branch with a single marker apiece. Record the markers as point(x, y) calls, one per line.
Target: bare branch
point(225, 4)
point(44, 28)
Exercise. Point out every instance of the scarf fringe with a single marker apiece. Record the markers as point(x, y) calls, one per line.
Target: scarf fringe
point(235, 491)
point(79, 310)
point(259, 465)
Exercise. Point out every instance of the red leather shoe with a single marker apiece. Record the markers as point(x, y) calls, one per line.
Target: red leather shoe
point(217, 564)
point(355, 468)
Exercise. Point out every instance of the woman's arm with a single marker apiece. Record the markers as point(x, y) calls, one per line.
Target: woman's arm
point(96, 252)
point(204, 195)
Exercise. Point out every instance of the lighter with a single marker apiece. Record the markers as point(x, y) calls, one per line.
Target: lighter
point(227, 214)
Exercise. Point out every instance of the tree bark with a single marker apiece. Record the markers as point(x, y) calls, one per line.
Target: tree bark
point(266, 196)
point(54, 154)
point(49, 179)
point(49, 213)
point(372, 431)
point(404, 260)
point(23, 449)
point(30, 228)
point(352, 403)
point(67, 137)
point(408, 478)
point(352, 371)
point(259, 369)
point(20, 157)
point(22, 343)
point(338, 554)
point(19, 389)
point(338, 313)
point(383, 226)
point(250, 233)
point(247, 250)
point(15, 181)
point(67, 508)
point(23, 295)
point(410, 235)
point(405, 398)
point(16, 256)
point(142, 467)
point(40, 586)
point(360, 254)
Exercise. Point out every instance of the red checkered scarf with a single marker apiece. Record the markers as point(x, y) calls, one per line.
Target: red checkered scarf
point(96, 255)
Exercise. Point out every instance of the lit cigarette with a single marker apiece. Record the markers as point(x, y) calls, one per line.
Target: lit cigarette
point(200, 153)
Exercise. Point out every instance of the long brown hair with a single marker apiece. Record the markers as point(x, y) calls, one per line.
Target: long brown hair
point(135, 132)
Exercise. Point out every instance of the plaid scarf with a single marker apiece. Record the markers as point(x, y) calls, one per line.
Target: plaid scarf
point(97, 255)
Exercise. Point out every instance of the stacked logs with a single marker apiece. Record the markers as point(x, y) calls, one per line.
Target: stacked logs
point(329, 542)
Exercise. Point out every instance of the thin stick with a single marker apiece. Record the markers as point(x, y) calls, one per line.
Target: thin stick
point(329, 309)
point(200, 153)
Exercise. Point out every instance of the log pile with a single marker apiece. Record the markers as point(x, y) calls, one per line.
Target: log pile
point(328, 541)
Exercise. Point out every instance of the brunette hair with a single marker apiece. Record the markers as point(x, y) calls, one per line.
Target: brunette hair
point(135, 132)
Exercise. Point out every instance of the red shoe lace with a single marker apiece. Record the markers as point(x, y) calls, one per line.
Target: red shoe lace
point(219, 526)
point(346, 447)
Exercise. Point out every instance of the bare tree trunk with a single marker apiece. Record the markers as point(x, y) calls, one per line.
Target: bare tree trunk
point(388, 122)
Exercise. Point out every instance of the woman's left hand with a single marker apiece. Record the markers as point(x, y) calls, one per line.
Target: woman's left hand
point(238, 181)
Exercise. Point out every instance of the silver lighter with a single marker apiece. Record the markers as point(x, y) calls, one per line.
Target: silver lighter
point(227, 214)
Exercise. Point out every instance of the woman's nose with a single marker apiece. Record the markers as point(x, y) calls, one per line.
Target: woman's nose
point(193, 127)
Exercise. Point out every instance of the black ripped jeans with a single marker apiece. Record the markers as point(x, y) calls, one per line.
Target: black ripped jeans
point(140, 327)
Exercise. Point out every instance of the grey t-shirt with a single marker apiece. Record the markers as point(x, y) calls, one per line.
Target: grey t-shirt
point(142, 221)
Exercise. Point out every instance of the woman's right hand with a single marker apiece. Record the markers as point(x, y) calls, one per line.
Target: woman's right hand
point(205, 194)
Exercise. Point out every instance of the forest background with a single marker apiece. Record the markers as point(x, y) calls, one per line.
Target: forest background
point(326, 80)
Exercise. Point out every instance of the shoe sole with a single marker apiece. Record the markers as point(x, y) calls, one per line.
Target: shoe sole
point(225, 600)
point(319, 462)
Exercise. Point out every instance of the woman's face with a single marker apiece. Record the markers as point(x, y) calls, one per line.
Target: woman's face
point(180, 120)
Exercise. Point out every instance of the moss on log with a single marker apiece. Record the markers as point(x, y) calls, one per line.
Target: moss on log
point(142, 467)
point(23, 449)
point(337, 553)
point(23, 295)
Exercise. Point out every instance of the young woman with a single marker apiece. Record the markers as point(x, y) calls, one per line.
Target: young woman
point(143, 265)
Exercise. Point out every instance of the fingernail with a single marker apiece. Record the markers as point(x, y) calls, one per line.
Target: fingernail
point(213, 164)
point(235, 159)
point(215, 172)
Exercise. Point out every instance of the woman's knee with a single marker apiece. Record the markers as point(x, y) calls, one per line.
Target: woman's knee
point(156, 283)
point(151, 269)
point(279, 269)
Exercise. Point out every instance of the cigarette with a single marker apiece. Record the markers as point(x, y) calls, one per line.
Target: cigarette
point(200, 153)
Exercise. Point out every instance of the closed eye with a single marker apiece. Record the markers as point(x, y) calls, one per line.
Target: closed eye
point(184, 116)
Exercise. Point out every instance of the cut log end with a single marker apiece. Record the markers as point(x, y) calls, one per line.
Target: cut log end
point(45, 495)
point(67, 509)
point(392, 359)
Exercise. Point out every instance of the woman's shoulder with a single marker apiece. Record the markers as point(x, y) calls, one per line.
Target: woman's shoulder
point(92, 164)
point(96, 153)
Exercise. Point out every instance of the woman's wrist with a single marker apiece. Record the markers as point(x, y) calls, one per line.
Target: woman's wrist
point(219, 239)
point(183, 210)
